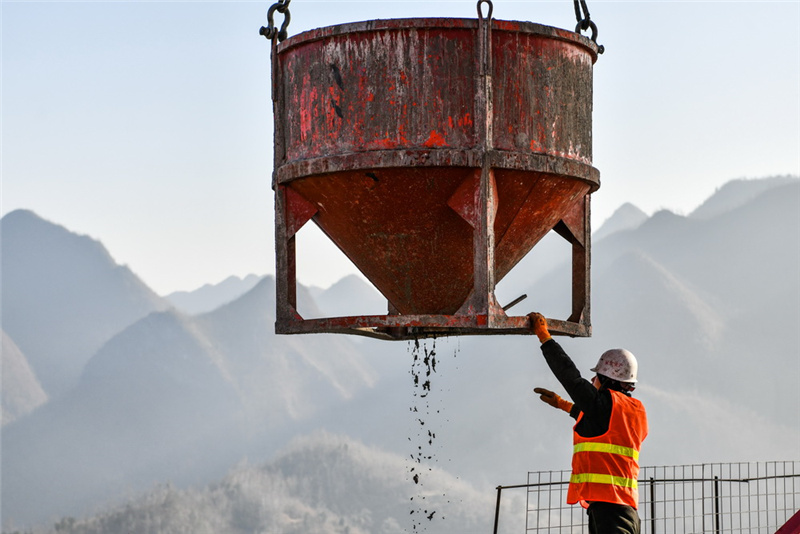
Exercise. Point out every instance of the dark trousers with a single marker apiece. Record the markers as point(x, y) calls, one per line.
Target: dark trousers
point(609, 518)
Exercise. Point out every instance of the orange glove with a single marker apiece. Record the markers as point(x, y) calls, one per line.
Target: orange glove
point(538, 324)
point(553, 400)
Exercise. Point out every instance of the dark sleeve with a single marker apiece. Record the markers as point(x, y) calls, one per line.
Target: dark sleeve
point(580, 390)
point(595, 406)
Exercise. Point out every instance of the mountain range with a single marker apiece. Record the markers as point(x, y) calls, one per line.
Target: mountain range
point(110, 391)
point(64, 297)
point(212, 296)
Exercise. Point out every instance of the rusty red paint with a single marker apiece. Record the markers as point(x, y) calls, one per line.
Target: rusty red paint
point(434, 178)
point(434, 139)
point(298, 211)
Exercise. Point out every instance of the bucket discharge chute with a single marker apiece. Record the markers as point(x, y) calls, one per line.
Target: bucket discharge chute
point(435, 153)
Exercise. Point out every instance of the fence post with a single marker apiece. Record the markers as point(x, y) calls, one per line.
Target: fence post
point(717, 519)
point(497, 509)
point(652, 505)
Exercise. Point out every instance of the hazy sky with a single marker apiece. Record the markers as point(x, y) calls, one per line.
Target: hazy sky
point(148, 125)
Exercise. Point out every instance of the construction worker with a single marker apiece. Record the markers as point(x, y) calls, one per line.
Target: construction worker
point(610, 429)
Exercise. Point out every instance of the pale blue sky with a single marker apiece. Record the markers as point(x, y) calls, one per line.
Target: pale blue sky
point(147, 125)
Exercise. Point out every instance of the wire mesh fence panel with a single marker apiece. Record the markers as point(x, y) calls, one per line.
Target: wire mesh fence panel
point(547, 510)
point(735, 498)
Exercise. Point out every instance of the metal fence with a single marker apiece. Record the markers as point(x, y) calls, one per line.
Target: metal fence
point(687, 499)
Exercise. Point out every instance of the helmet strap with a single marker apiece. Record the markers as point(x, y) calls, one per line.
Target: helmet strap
point(615, 385)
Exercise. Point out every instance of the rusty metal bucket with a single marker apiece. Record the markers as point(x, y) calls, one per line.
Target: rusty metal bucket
point(435, 153)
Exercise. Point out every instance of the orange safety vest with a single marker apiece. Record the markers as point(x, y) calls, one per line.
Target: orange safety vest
point(606, 467)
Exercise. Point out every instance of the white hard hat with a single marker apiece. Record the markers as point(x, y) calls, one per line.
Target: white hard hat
point(617, 364)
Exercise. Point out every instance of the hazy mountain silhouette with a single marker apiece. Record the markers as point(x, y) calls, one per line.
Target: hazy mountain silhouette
point(63, 297)
point(151, 403)
point(709, 305)
point(626, 217)
point(349, 296)
point(552, 251)
point(318, 484)
point(283, 378)
point(211, 296)
point(174, 397)
point(735, 193)
point(22, 392)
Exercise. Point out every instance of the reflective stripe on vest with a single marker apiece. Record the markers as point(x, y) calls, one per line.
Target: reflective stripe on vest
point(606, 447)
point(605, 467)
point(596, 478)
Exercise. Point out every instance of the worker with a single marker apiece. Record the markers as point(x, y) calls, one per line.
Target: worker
point(611, 426)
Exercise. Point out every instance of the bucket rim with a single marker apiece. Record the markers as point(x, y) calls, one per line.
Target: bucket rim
point(401, 24)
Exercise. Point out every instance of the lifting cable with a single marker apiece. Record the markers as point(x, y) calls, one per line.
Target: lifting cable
point(585, 23)
point(271, 32)
point(282, 6)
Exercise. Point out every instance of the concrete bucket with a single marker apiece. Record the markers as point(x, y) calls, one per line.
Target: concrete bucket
point(435, 153)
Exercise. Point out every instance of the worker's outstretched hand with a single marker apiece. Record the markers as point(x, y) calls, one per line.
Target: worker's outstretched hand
point(553, 399)
point(538, 324)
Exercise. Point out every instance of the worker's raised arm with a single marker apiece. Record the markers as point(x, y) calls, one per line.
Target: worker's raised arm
point(580, 390)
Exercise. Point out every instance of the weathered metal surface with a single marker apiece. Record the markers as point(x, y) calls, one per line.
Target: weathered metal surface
point(435, 153)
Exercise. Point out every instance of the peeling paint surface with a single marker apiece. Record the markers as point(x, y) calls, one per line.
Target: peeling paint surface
point(398, 138)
